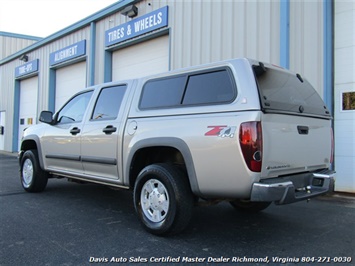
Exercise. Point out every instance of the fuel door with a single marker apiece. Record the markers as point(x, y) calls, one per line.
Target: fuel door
point(132, 127)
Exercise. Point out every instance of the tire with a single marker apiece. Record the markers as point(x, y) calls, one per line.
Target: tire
point(33, 178)
point(249, 207)
point(163, 199)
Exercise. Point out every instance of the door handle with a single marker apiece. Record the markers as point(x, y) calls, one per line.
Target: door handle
point(109, 129)
point(75, 130)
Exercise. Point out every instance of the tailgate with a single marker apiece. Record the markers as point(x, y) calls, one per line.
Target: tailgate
point(294, 144)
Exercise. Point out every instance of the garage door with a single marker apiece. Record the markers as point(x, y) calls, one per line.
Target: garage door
point(69, 80)
point(28, 105)
point(143, 59)
point(344, 97)
point(344, 132)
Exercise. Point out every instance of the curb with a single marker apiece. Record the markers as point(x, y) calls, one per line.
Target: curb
point(13, 154)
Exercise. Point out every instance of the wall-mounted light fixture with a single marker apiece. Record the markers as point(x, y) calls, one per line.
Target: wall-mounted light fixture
point(24, 58)
point(130, 11)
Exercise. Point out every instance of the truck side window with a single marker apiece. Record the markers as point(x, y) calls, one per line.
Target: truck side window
point(209, 88)
point(74, 109)
point(163, 92)
point(212, 87)
point(109, 102)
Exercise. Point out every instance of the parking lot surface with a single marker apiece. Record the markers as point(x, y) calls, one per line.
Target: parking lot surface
point(85, 224)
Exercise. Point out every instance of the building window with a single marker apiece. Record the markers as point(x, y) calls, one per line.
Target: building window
point(348, 101)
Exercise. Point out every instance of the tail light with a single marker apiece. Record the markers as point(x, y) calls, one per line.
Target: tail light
point(250, 139)
point(332, 147)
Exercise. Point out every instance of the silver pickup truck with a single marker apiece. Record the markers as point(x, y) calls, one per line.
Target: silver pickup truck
point(239, 130)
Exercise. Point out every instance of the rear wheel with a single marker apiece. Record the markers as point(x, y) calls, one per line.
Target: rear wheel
point(163, 199)
point(33, 178)
point(248, 206)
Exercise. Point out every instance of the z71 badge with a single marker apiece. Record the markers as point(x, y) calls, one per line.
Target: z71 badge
point(221, 131)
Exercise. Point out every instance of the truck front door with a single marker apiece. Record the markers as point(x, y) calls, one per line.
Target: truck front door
point(61, 141)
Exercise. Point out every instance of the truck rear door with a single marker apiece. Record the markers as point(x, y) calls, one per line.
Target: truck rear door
point(296, 124)
point(102, 133)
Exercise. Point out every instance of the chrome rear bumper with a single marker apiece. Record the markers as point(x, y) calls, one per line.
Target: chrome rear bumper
point(289, 189)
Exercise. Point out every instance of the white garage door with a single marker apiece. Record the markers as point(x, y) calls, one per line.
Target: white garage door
point(69, 80)
point(28, 105)
point(143, 59)
point(344, 132)
point(344, 97)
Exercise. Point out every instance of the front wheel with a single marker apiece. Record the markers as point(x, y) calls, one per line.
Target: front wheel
point(163, 199)
point(33, 178)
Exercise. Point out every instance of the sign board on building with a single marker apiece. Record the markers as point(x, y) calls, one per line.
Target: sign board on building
point(27, 68)
point(68, 53)
point(136, 27)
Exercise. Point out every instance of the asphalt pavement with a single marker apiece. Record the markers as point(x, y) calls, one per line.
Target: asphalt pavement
point(87, 224)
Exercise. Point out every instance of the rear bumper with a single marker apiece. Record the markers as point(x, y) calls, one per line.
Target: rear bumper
point(289, 189)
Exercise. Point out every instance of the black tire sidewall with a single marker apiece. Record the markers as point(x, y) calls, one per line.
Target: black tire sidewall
point(39, 178)
point(170, 178)
point(158, 173)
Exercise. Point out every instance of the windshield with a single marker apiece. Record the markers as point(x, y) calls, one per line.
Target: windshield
point(286, 92)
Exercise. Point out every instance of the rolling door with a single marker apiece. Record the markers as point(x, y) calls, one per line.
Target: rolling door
point(69, 80)
point(143, 59)
point(28, 105)
point(344, 96)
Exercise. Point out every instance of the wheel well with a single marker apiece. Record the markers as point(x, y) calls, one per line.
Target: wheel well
point(151, 155)
point(29, 145)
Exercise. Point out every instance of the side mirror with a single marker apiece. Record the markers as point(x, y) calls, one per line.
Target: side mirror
point(46, 117)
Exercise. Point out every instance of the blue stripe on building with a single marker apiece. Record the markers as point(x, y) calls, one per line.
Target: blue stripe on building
point(285, 33)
